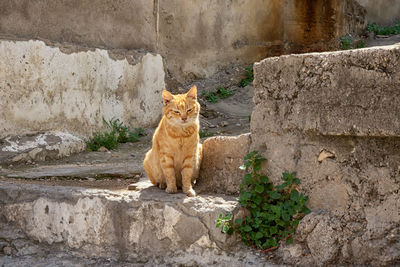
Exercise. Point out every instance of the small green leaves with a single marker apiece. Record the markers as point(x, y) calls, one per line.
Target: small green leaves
point(273, 211)
point(247, 228)
point(224, 93)
point(118, 133)
point(259, 235)
point(249, 77)
point(225, 222)
point(210, 96)
point(204, 133)
point(219, 93)
point(239, 221)
point(384, 30)
point(259, 188)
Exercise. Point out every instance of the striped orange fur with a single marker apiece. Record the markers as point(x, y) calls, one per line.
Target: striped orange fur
point(175, 157)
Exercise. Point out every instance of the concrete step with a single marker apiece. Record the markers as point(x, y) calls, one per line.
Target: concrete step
point(146, 226)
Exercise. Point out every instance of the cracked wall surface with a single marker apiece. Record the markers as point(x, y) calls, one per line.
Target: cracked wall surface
point(44, 88)
point(334, 118)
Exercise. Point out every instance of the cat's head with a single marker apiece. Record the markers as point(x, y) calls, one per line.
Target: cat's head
point(182, 109)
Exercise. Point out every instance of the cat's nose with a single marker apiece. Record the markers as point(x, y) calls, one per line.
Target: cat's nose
point(184, 118)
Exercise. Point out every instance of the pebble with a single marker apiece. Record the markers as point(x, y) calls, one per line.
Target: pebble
point(7, 250)
point(382, 36)
point(223, 123)
point(132, 187)
point(238, 124)
point(102, 149)
point(212, 126)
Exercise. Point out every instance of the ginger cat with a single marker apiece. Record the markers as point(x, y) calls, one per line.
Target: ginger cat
point(176, 153)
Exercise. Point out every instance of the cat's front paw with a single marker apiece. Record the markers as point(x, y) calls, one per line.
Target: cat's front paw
point(171, 190)
point(190, 192)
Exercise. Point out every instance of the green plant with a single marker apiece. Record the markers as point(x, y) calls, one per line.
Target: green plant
point(347, 42)
point(210, 96)
point(384, 30)
point(249, 77)
point(205, 133)
point(107, 140)
point(221, 92)
point(361, 44)
point(123, 133)
point(119, 133)
point(273, 212)
point(225, 222)
point(224, 93)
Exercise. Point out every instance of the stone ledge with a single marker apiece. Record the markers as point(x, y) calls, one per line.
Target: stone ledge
point(135, 226)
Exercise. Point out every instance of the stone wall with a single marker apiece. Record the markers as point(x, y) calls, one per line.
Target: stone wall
point(46, 88)
point(382, 12)
point(334, 118)
point(195, 38)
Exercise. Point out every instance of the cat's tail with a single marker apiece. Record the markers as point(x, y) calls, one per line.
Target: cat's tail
point(198, 163)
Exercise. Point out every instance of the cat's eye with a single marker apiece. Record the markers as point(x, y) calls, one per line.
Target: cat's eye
point(176, 111)
point(190, 109)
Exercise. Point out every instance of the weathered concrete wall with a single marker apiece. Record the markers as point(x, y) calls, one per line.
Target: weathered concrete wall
point(196, 38)
point(317, 25)
point(104, 23)
point(381, 11)
point(48, 88)
point(335, 119)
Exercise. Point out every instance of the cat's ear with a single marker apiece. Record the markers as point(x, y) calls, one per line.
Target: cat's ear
point(192, 92)
point(167, 97)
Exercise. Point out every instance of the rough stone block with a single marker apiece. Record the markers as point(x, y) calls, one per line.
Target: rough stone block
point(334, 119)
point(354, 93)
point(222, 156)
point(39, 147)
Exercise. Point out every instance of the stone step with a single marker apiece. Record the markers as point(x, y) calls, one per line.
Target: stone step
point(145, 225)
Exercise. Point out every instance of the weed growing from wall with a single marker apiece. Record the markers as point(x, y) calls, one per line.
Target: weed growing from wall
point(272, 212)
